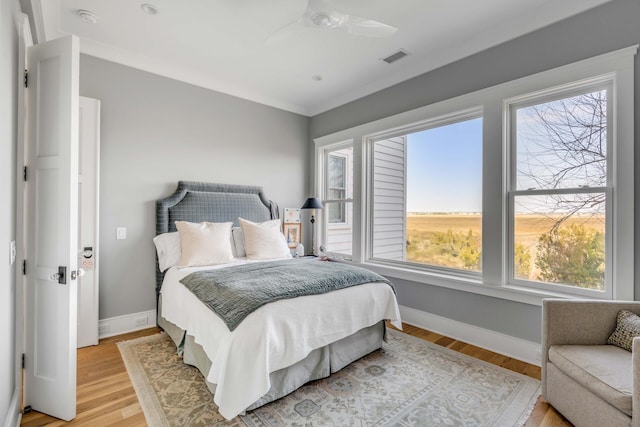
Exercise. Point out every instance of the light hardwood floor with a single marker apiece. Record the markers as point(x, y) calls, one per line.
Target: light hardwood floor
point(107, 398)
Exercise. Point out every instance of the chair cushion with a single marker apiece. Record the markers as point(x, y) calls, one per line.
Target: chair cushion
point(605, 370)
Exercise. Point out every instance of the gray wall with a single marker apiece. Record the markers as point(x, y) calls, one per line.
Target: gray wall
point(156, 131)
point(8, 138)
point(606, 28)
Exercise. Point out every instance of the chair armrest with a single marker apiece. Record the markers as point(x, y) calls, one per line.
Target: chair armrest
point(635, 397)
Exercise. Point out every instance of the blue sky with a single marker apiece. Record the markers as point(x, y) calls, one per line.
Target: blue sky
point(444, 172)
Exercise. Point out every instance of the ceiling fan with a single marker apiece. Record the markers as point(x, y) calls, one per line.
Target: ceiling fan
point(321, 14)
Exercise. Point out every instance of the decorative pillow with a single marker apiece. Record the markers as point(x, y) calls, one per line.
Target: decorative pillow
point(627, 328)
point(168, 249)
point(264, 240)
point(238, 242)
point(205, 243)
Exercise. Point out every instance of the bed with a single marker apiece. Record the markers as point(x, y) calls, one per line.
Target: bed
point(281, 345)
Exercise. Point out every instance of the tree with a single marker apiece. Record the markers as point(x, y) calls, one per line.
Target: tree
point(522, 261)
point(563, 144)
point(465, 247)
point(572, 255)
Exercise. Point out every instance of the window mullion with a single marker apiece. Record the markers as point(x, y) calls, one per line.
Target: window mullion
point(559, 191)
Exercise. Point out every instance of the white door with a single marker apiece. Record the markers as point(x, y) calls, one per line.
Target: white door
point(52, 227)
point(88, 199)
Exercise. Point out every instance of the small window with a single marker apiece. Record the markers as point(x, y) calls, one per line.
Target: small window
point(338, 201)
point(337, 188)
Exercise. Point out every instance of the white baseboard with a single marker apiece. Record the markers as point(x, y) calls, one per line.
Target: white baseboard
point(507, 345)
point(127, 323)
point(14, 415)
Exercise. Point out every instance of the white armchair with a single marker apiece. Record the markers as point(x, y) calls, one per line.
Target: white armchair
point(586, 380)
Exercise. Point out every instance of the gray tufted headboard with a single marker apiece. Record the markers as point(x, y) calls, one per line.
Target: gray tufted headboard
point(202, 201)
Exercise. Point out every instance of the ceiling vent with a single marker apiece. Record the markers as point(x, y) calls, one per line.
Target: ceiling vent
point(396, 56)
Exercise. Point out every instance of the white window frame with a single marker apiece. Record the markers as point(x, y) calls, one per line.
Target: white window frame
point(347, 177)
point(322, 188)
point(494, 281)
point(605, 82)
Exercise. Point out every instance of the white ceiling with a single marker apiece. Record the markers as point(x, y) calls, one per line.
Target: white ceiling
point(220, 44)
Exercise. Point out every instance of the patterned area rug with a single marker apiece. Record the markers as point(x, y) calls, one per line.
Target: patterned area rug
point(409, 382)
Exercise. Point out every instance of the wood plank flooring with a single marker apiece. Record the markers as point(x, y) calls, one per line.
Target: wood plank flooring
point(107, 398)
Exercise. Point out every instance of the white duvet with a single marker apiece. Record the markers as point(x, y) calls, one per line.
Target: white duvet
point(273, 337)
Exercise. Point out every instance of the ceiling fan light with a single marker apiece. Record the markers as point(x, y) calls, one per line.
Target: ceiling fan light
point(324, 20)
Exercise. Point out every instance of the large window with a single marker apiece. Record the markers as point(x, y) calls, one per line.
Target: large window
point(560, 188)
point(427, 195)
point(522, 191)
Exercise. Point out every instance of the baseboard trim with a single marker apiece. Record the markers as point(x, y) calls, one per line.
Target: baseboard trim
point(14, 415)
point(127, 323)
point(508, 345)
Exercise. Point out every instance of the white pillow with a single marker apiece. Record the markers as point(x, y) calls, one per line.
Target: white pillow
point(205, 243)
point(264, 240)
point(168, 249)
point(238, 242)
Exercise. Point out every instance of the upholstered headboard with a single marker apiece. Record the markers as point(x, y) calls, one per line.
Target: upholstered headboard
point(202, 201)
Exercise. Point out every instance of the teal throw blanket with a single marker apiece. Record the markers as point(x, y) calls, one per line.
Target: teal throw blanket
point(235, 292)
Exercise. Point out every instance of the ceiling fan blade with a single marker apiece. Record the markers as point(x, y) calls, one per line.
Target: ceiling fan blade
point(360, 26)
point(321, 14)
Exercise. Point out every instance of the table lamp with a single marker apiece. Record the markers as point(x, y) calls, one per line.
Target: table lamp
point(313, 204)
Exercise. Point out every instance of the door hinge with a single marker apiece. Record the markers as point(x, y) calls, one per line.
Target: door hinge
point(24, 174)
point(26, 78)
point(24, 267)
point(22, 360)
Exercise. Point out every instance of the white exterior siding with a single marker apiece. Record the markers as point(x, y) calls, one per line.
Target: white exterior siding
point(340, 239)
point(389, 200)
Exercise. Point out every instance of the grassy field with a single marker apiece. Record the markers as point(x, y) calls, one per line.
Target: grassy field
point(423, 229)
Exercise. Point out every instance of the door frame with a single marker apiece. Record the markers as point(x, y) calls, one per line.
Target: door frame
point(89, 105)
point(24, 41)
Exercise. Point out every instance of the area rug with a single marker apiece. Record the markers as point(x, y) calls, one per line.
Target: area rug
point(409, 382)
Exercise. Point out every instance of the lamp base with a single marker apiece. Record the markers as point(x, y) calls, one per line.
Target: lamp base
point(313, 235)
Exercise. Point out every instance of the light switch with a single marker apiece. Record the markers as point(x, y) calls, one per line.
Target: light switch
point(121, 233)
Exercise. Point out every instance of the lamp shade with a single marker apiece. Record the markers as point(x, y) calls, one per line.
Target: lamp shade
point(312, 203)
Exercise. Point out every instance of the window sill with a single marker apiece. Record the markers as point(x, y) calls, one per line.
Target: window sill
point(468, 284)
